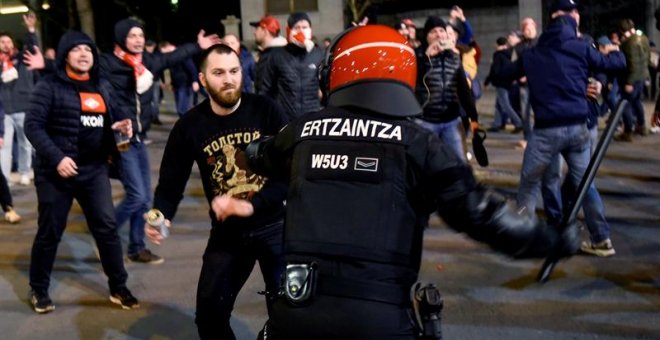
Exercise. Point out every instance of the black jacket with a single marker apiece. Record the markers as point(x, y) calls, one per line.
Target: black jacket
point(362, 186)
point(290, 76)
point(52, 123)
point(500, 60)
point(442, 87)
point(125, 101)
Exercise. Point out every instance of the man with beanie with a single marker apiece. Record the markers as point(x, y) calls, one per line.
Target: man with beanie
point(70, 124)
point(638, 53)
point(557, 70)
point(290, 76)
point(130, 71)
point(442, 87)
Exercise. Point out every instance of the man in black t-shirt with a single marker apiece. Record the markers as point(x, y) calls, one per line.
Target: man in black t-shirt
point(214, 135)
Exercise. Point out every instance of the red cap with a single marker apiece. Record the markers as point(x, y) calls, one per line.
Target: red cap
point(268, 22)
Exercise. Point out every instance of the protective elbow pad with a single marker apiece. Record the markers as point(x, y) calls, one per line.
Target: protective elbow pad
point(256, 156)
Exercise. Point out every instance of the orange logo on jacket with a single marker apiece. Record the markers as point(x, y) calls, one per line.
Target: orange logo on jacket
point(92, 102)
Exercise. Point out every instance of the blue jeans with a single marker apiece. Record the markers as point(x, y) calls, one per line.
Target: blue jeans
point(183, 99)
point(228, 261)
point(15, 122)
point(504, 110)
point(635, 110)
point(542, 152)
point(136, 179)
point(449, 133)
point(526, 110)
point(613, 96)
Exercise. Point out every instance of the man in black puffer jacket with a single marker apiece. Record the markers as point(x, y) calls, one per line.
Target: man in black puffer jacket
point(290, 76)
point(442, 87)
point(69, 125)
point(130, 71)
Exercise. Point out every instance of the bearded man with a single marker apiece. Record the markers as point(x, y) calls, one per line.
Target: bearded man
point(214, 134)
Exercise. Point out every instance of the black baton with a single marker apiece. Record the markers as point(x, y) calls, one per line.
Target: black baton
point(585, 183)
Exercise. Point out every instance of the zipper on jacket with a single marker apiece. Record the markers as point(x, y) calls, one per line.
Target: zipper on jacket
point(138, 110)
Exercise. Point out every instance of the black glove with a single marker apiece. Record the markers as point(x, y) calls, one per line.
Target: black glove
point(568, 242)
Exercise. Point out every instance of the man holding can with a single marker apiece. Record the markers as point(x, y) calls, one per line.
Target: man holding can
point(214, 135)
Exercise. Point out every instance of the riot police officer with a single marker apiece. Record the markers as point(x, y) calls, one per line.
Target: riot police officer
point(363, 180)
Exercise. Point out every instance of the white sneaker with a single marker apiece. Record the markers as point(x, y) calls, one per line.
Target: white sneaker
point(603, 248)
point(24, 180)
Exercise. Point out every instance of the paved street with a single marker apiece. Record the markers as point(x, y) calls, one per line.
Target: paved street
point(487, 296)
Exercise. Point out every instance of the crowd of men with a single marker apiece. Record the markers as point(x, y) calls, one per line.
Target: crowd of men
point(402, 131)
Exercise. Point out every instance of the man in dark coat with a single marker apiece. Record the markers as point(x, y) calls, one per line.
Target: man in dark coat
point(69, 123)
point(130, 71)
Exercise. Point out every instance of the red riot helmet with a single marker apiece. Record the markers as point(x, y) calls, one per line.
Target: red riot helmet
point(371, 67)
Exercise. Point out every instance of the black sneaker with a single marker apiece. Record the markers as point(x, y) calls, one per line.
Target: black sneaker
point(41, 303)
point(124, 298)
point(146, 256)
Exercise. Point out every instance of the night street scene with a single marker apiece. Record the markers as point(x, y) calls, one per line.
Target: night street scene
point(158, 185)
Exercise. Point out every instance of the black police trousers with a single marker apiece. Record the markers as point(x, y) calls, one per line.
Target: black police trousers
point(331, 317)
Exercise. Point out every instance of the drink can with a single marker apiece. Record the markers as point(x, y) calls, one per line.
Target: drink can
point(156, 220)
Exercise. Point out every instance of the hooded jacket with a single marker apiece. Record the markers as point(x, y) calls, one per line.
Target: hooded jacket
point(53, 121)
point(557, 71)
point(125, 101)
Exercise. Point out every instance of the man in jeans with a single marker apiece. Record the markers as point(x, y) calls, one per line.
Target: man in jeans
point(637, 51)
point(503, 108)
point(130, 72)
point(557, 77)
point(17, 82)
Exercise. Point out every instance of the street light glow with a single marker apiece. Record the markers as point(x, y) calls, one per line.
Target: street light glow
point(13, 9)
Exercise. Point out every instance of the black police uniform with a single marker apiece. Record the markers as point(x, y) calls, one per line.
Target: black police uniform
point(362, 184)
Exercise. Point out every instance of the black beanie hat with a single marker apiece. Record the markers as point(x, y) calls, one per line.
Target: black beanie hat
point(297, 16)
point(431, 23)
point(122, 28)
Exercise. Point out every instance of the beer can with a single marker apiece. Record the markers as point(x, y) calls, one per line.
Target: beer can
point(156, 220)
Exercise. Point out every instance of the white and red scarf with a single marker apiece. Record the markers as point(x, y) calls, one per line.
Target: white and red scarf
point(143, 77)
point(9, 72)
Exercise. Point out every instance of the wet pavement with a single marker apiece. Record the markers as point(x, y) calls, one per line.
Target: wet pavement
point(487, 296)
